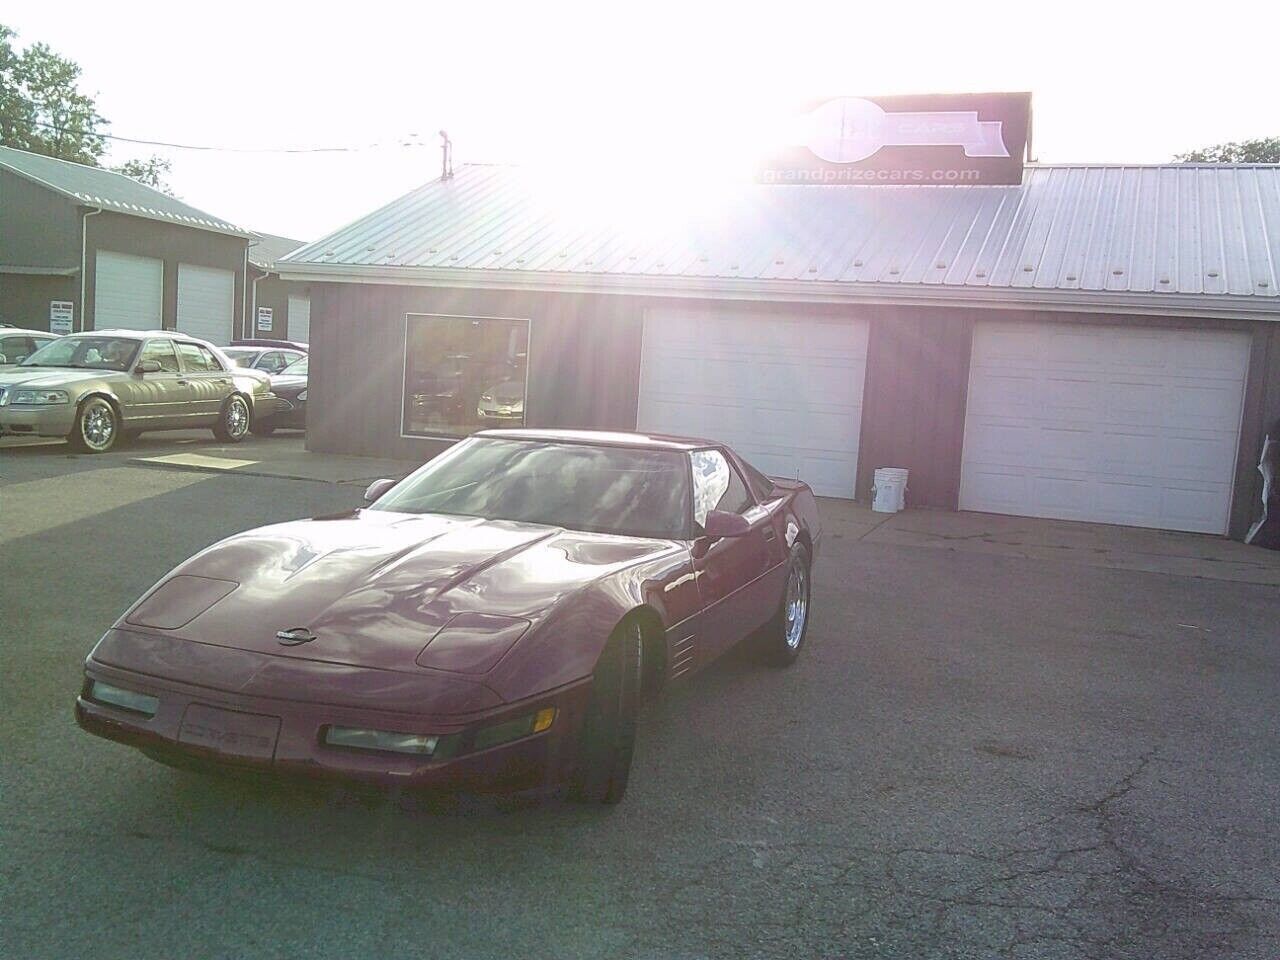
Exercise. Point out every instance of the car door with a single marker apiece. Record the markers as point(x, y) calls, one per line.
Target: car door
point(156, 398)
point(729, 571)
point(209, 383)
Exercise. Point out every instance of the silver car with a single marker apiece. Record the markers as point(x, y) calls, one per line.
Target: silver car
point(16, 344)
point(94, 387)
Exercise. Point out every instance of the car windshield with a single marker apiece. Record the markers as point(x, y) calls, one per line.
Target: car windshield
point(296, 369)
point(599, 489)
point(241, 356)
point(86, 353)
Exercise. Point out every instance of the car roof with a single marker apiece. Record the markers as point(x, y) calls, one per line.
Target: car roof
point(251, 343)
point(604, 438)
point(8, 331)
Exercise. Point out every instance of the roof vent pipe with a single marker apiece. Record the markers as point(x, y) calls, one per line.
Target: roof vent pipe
point(446, 156)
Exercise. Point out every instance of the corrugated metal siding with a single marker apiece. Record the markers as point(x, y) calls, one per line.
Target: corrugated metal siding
point(97, 187)
point(1178, 229)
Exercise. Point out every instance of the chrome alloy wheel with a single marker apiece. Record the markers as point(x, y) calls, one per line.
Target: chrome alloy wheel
point(237, 418)
point(797, 605)
point(98, 426)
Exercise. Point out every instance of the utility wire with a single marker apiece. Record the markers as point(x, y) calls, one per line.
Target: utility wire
point(410, 141)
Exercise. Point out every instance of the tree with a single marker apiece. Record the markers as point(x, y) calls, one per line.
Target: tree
point(42, 110)
point(1264, 150)
point(151, 172)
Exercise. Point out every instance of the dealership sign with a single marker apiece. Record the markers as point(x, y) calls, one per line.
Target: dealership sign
point(936, 139)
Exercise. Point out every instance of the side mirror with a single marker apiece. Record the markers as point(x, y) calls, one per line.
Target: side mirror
point(720, 524)
point(147, 366)
point(376, 489)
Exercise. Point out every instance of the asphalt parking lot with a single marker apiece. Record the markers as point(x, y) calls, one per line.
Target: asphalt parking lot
point(983, 752)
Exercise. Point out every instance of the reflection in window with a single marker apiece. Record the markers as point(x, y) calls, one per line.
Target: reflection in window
point(464, 374)
point(710, 481)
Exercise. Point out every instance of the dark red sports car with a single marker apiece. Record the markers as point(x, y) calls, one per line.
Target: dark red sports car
point(492, 621)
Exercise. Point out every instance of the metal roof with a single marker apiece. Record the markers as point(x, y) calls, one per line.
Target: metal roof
point(1188, 235)
point(96, 187)
point(265, 249)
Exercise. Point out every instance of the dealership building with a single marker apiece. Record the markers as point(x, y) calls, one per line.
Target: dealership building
point(1093, 343)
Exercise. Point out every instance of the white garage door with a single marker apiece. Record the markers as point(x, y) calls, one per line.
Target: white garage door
point(128, 292)
point(206, 302)
point(1109, 424)
point(784, 392)
point(300, 319)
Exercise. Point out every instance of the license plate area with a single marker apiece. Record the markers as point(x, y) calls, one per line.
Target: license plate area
point(230, 732)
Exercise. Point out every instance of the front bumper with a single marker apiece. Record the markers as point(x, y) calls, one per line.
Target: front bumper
point(285, 412)
point(38, 420)
point(286, 736)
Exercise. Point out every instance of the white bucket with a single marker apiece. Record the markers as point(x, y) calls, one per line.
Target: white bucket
point(889, 490)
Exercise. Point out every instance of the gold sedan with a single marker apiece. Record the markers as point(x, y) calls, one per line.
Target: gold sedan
point(94, 387)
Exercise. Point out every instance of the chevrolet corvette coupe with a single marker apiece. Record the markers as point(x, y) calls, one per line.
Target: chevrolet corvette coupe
point(491, 622)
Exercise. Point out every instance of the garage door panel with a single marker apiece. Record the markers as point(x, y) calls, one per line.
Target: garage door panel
point(128, 292)
point(206, 302)
point(1144, 440)
point(785, 392)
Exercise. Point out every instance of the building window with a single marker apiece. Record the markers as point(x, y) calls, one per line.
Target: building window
point(463, 374)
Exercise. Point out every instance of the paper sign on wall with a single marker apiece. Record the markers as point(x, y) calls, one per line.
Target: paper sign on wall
point(61, 316)
point(264, 319)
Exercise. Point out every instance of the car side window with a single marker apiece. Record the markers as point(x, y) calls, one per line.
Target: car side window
point(210, 361)
point(716, 485)
point(271, 362)
point(760, 485)
point(192, 357)
point(161, 350)
point(290, 356)
point(15, 349)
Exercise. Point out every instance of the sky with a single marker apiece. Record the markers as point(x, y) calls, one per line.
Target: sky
point(621, 92)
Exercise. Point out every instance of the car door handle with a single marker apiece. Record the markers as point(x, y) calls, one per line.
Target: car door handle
point(184, 383)
point(770, 534)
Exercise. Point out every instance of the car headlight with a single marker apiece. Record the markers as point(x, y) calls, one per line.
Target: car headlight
point(361, 739)
point(40, 396)
point(516, 729)
point(302, 395)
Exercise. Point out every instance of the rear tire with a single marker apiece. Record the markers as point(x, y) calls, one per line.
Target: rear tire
point(97, 427)
point(233, 421)
point(609, 730)
point(782, 638)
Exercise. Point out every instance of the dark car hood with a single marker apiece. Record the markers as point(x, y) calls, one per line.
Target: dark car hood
point(286, 383)
point(373, 587)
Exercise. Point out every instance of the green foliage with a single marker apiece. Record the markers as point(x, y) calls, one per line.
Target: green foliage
point(41, 108)
point(151, 172)
point(1264, 150)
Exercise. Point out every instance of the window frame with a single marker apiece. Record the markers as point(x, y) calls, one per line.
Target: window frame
point(729, 458)
point(173, 350)
point(404, 369)
point(182, 357)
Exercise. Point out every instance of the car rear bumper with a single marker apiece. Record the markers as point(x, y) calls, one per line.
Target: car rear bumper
point(52, 420)
point(286, 736)
point(284, 413)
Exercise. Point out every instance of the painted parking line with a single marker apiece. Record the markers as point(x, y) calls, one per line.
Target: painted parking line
point(199, 461)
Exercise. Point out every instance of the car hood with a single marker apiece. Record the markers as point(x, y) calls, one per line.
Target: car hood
point(373, 587)
point(51, 377)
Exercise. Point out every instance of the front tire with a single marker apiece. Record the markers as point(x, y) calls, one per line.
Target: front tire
point(96, 428)
point(233, 421)
point(783, 637)
point(609, 729)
